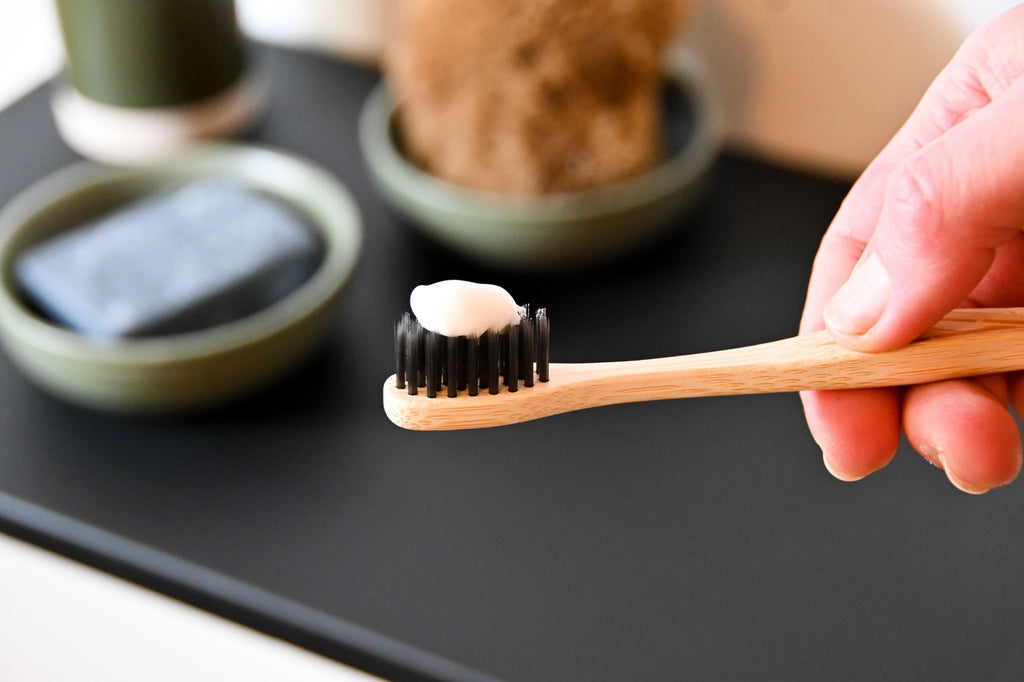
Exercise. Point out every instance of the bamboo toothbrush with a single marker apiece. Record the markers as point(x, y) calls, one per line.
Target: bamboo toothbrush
point(967, 342)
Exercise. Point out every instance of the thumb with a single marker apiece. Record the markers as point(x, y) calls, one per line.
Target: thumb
point(947, 207)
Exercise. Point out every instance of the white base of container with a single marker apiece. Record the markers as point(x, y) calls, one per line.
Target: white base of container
point(131, 136)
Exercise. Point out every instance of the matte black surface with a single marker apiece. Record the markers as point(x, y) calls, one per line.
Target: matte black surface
point(681, 540)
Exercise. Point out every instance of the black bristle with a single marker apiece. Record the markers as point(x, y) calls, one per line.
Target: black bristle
point(400, 352)
point(483, 364)
point(526, 351)
point(421, 367)
point(412, 355)
point(516, 356)
point(543, 333)
point(453, 367)
point(442, 351)
point(473, 366)
point(512, 371)
point(460, 368)
point(493, 363)
point(503, 356)
point(432, 364)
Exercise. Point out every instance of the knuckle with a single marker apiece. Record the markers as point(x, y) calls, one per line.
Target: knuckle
point(915, 199)
point(994, 53)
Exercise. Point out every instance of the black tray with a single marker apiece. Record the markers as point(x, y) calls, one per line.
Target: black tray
point(680, 540)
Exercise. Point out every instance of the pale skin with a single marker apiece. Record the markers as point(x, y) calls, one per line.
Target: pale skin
point(934, 223)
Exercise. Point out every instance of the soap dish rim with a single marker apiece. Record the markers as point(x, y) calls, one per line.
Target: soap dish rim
point(139, 359)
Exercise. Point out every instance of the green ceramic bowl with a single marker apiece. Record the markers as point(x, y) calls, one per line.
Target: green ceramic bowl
point(183, 371)
point(550, 232)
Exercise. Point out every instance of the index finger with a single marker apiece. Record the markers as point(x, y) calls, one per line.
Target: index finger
point(987, 64)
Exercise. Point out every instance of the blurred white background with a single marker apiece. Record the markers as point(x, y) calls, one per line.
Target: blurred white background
point(30, 49)
point(816, 84)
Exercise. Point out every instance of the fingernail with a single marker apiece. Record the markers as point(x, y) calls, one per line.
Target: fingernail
point(961, 484)
point(831, 468)
point(859, 303)
point(966, 486)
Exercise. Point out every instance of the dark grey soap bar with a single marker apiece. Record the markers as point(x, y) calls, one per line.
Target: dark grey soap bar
point(198, 255)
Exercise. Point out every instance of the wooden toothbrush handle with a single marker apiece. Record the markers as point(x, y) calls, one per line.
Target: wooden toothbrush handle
point(968, 342)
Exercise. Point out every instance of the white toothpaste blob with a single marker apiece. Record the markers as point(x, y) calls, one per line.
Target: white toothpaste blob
point(455, 307)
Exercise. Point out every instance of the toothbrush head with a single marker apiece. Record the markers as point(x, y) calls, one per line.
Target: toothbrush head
point(430, 363)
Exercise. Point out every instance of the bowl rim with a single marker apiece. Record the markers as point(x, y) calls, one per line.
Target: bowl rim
point(678, 169)
point(342, 234)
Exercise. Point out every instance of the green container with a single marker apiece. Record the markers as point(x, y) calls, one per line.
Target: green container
point(151, 53)
point(548, 232)
point(187, 371)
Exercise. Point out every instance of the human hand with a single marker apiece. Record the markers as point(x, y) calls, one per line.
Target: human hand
point(935, 222)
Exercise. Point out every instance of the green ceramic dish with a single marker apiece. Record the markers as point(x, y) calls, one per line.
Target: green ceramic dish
point(549, 232)
point(183, 371)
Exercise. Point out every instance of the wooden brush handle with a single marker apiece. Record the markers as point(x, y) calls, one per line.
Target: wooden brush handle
point(967, 342)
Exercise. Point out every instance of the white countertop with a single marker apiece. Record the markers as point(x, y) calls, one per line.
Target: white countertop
point(61, 620)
